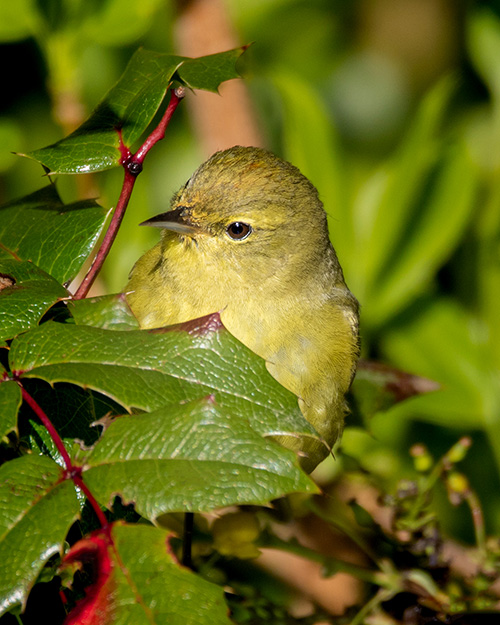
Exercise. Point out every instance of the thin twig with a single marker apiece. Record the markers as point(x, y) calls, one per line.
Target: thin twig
point(78, 481)
point(54, 435)
point(132, 164)
point(72, 472)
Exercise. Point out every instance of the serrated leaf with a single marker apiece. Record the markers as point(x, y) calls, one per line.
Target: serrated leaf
point(137, 580)
point(56, 237)
point(110, 312)
point(10, 401)
point(37, 509)
point(26, 293)
point(208, 72)
point(129, 107)
point(147, 370)
point(193, 457)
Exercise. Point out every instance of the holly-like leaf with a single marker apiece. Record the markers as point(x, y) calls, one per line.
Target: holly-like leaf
point(57, 238)
point(193, 457)
point(10, 401)
point(137, 580)
point(128, 108)
point(148, 370)
point(208, 72)
point(26, 293)
point(37, 509)
point(110, 312)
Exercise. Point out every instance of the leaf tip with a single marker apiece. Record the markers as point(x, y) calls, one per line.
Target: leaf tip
point(195, 327)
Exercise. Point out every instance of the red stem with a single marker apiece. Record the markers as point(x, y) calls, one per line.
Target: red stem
point(50, 428)
point(132, 164)
point(109, 237)
point(72, 472)
point(78, 481)
point(159, 132)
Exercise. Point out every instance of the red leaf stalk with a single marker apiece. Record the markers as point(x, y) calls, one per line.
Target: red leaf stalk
point(132, 164)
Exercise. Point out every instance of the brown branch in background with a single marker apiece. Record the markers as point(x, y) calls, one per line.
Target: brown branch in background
point(220, 121)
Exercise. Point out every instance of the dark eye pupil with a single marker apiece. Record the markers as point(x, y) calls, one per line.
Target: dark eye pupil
point(238, 230)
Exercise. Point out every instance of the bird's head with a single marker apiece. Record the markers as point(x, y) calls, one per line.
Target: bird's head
point(245, 203)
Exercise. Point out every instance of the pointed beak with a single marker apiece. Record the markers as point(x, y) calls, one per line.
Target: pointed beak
point(176, 220)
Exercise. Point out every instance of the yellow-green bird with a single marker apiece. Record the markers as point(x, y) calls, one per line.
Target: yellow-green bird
point(247, 237)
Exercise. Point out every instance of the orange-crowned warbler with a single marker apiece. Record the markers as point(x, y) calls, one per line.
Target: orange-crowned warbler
point(247, 237)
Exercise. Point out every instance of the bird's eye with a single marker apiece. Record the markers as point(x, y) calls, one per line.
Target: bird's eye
point(238, 230)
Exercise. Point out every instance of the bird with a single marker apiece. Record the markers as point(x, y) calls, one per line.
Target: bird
point(247, 236)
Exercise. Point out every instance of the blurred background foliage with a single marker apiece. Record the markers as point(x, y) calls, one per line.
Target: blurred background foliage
point(390, 107)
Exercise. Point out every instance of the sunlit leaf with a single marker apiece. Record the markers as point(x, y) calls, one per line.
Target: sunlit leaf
point(431, 237)
point(129, 107)
point(56, 237)
point(37, 509)
point(146, 370)
point(110, 312)
point(138, 580)
point(191, 457)
point(26, 293)
point(10, 401)
point(447, 345)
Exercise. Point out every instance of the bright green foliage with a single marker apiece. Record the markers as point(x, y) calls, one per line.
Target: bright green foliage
point(55, 237)
point(142, 583)
point(27, 294)
point(10, 401)
point(110, 312)
point(415, 220)
point(195, 457)
point(127, 110)
point(396, 228)
point(37, 509)
point(146, 371)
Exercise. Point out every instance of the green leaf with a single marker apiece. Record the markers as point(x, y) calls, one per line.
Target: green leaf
point(311, 144)
point(484, 45)
point(118, 22)
point(208, 72)
point(38, 508)
point(18, 20)
point(444, 343)
point(431, 238)
point(10, 401)
point(192, 457)
point(110, 312)
point(385, 206)
point(26, 294)
point(57, 238)
point(129, 107)
point(139, 581)
point(148, 370)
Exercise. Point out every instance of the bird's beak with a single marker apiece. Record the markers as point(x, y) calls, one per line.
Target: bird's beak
point(176, 220)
